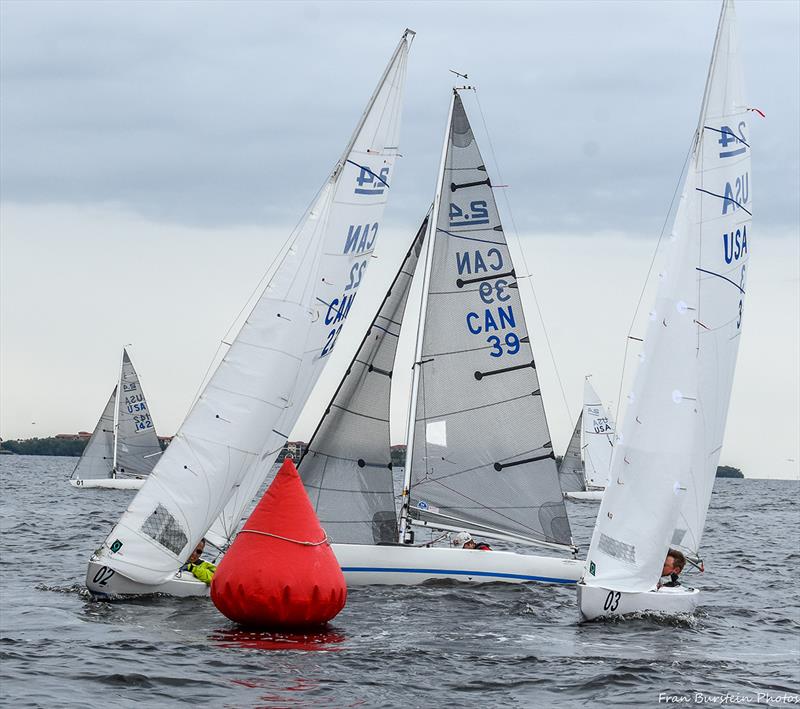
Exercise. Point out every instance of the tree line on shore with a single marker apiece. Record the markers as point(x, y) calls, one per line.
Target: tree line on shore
point(68, 447)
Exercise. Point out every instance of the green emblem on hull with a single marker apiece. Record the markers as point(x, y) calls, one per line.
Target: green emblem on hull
point(117, 545)
point(591, 568)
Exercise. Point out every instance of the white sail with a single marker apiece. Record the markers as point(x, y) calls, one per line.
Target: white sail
point(480, 453)
point(97, 459)
point(570, 470)
point(137, 446)
point(229, 440)
point(666, 454)
point(598, 439)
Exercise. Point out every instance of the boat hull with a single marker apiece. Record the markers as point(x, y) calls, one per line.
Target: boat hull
point(595, 602)
point(366, 565)
point(108, 483)
point(585, 495)
point(106, 584)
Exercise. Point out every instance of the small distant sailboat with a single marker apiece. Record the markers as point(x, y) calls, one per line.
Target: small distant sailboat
point(665, 457)
point(586, 465)
point(124, 447)
point(479, 456)
point(230, 438)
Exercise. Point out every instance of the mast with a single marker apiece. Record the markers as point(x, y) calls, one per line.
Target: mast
point(116, 414)
point(412, 406)
point(709, 77)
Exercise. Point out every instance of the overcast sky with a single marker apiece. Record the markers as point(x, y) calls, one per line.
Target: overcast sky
point(153, 157)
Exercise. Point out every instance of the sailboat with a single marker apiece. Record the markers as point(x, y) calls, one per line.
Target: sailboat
point(124, 447)
point(585, 467)
point(479, 456)
point(667, 450)
point(232, 435)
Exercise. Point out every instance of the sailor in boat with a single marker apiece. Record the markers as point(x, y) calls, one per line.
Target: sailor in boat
point(202, 570)
point(673, 565)
point(465, 541)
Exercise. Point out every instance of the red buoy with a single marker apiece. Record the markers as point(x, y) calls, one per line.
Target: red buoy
point(280, 571)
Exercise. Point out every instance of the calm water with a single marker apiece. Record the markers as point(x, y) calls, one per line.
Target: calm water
point(441, 645)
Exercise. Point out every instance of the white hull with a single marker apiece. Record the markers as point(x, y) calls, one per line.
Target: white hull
point(365, 564)
point(595, 602)
point(585, 495)
point(106, 584)
point(109, 483)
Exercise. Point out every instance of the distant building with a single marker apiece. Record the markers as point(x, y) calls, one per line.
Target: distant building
point(80, 436)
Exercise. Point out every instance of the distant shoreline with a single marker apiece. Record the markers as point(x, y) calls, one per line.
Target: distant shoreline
point(60, 446)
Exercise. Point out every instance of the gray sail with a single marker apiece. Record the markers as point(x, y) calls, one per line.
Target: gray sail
point(482, 457)
point(570, 471)
point(347, 469)
point(138, 449)
point(97, 459)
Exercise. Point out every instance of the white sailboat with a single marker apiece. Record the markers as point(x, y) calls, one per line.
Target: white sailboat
point(232, 435)
point(479, 456)
point(124, 447)
point(585, 468)
point(666, 456)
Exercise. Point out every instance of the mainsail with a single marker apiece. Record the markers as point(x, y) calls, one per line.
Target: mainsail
point(598, 439)
point(97, 459)
point(480, 451)
point(668, 449)
point(230, 438)
point(570, 470)
point(347, 469)
point(137, 446)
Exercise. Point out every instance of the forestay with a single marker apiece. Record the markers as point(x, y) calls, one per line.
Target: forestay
point(137, 446)
point(570, 470)
point(97, 459)
point(598, 441)
point(347, 469)
point(481, 455)
point(668, 449)
point(229, 440)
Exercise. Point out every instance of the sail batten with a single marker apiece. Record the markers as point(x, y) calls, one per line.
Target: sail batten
point(230, 438)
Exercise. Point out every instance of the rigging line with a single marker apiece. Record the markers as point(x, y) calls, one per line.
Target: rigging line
point(647, 278)
point(723, 197)
point(367, 170)
point(724, 278)
point(729, 132)
point(524, 261)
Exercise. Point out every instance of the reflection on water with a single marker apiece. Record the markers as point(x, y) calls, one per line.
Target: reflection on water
point(324, 640)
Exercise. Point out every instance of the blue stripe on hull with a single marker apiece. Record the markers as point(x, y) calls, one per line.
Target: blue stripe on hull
point(454, 572)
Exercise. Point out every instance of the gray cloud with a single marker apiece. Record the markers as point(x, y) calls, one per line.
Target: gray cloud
point(230, 113)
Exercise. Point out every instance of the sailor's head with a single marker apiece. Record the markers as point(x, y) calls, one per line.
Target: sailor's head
point(464, 540)
point(674, 563)
point(198, 550)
